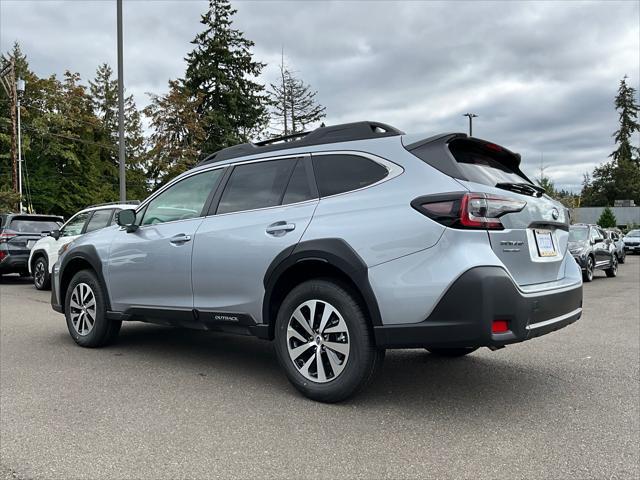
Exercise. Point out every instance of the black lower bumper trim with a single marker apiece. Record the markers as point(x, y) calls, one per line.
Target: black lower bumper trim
point(465, 314)
point(14, 264)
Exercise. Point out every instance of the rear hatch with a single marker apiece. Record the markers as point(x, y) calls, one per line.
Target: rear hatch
point(23, 231)
point(532, 241)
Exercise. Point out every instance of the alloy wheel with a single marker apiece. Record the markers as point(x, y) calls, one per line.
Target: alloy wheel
point(39, 273)
point(590, 269)
point(318, 341)
point(83, 309)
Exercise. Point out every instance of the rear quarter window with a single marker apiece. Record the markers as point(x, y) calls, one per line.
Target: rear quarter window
point(339, 173)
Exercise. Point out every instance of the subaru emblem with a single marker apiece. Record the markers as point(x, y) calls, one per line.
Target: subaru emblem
point(555, 213)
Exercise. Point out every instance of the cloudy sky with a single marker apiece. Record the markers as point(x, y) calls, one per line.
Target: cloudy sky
point(540, 75)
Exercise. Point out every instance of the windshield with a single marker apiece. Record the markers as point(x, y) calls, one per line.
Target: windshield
point(33, 226)
point(578, 234)
point(634, 233)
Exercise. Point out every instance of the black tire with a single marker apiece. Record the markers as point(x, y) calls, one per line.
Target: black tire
point(612, 271)
point(622, 257)
point(363, 360)
point(41, 276)
point(102, 331)
point(452, 352)
point(587, 275)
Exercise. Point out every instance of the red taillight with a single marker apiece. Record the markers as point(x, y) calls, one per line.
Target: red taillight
point(500, 326)
point(5, 237)
point(468, 210)
point(2, 255)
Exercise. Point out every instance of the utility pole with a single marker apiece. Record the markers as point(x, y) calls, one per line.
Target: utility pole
point(471, 117)
point(8, 80)
point(123, 183)
point(19, 92)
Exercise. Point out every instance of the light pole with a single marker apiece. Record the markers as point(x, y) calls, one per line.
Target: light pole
point(471, 117)
point(20, 84)
point(121, 154)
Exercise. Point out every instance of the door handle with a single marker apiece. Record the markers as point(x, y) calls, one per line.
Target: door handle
point(180, 239)
point(280, 228)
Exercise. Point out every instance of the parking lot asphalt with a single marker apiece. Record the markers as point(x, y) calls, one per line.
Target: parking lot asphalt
point(171, 403)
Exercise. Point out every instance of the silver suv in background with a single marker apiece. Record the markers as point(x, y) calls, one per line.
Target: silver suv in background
point(336, 244)
point(632, 241)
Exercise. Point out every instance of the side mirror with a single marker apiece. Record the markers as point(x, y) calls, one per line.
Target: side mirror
point(55, 234)
point(127, 219)
point(598, 240)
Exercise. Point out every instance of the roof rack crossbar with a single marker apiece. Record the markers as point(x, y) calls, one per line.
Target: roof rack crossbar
point(126, 202)
point(283, 138)
point(345, 132)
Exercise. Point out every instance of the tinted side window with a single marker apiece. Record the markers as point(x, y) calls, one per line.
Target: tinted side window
point(75, 225)
point(99, 219)
point(298, 189)
point(256, 185)
point(342, 173)
point(183, 200)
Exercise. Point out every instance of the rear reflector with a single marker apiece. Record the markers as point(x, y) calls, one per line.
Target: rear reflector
point(2, 255)
point(500, 326)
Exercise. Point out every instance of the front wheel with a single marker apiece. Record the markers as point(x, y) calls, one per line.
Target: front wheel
point(41, 276)
point(85, 310)
point(623, 257)
point(324, 341)
point(612, 271)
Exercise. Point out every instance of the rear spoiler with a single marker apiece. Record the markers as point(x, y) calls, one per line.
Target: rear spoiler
point(38, 218)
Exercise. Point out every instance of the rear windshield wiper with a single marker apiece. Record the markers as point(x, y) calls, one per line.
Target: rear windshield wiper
point(524, 188)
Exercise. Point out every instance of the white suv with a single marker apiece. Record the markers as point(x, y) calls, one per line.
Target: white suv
point(46, 250)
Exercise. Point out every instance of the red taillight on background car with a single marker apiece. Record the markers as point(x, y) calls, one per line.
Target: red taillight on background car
point(2, 255)
point(5, 237)
point(468, 210)
point(500, 326)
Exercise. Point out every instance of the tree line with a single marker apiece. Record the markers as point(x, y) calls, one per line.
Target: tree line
point(619, 177)
point(70, 129)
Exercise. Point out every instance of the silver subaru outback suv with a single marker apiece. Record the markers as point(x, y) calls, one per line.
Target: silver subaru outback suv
point(336, 244)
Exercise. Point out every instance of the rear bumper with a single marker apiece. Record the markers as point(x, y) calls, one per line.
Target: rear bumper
point(15, 263)
point(632, 248)
point(464, 315)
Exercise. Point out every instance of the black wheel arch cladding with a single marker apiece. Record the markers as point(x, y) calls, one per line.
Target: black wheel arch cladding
point(82, 254)
point(334, 252)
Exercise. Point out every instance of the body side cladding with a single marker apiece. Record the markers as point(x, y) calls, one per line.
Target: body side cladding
point(82, 254)
point(333, 252)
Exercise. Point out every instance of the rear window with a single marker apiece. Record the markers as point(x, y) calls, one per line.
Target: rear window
point(579, 234)
point(32, 226)
point(343, 173)
point(474, 160)
point(486, 163)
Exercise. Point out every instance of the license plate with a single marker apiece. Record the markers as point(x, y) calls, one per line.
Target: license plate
point(544, 241)
point(31, 243)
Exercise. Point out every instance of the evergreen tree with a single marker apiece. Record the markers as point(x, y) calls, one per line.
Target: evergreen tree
point(607, 219)
point(625, 103)
point(220, 71)
point(619, 178)
point(104, 101)
point(293, 104)
point(177, 135)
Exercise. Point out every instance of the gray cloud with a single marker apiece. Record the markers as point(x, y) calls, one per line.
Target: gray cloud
point(541, 75)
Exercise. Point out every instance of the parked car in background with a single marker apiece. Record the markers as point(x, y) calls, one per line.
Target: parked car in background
point(18, 234)
point(632, 241)
point(337, 245)
point(45, 251)
point(593, 250)
point(615, 236)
